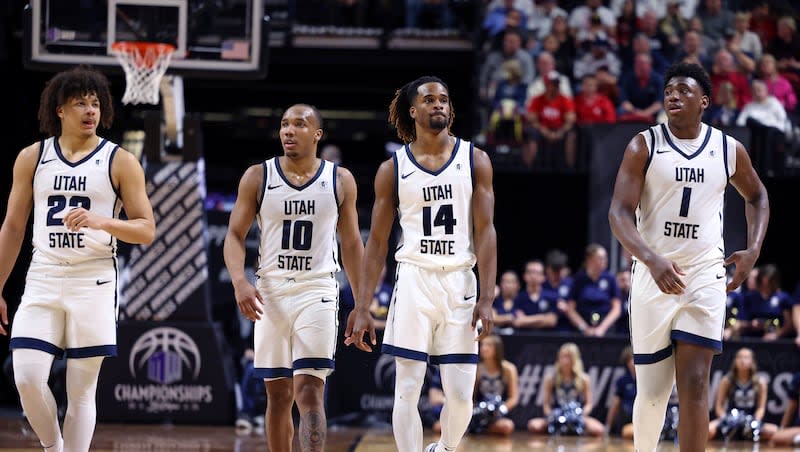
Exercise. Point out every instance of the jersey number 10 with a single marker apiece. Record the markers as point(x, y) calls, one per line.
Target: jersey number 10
point(298, 235)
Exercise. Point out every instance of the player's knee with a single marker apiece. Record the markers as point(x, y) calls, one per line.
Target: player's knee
point(309, 396)
point(694, 385)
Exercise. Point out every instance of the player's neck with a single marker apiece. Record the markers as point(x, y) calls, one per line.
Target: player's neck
point(685, 132)
point(432, 143)
point(305, 166)
point(77, 144)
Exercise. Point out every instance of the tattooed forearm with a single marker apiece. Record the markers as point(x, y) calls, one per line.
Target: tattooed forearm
point(313, 429)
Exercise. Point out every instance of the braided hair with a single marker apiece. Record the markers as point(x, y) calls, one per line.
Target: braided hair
point(399, 116)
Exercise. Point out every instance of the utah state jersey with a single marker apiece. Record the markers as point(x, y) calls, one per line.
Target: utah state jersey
point(60, 186)
point(435, 210)
point(681, 207)
point(298, 224)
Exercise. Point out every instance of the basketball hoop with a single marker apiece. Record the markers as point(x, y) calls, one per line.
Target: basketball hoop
point(144, 64)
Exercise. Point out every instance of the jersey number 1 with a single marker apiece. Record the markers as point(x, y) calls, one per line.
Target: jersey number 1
point(687, 196)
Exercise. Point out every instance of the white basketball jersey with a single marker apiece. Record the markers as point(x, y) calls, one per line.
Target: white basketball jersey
point(435, 210)
point(298, 224)
point(680, 213)
point(60, 186)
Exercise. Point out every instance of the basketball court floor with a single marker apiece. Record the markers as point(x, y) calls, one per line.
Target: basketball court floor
point(16, 436)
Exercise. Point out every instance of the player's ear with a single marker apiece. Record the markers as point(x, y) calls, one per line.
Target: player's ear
point(705, 101)
point(413, 112)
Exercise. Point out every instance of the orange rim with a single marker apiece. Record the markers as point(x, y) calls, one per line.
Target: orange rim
point(145, 54)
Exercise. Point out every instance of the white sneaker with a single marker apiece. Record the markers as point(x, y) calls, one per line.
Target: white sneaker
point(431, 447)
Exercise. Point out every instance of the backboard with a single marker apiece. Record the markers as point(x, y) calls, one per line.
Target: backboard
point(213, 38)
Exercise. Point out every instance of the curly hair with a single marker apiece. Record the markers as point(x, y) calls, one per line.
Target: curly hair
point(399, 116)
point(689, 70)
point(77, 82)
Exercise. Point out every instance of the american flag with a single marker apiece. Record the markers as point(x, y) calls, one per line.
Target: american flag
point(235, 49)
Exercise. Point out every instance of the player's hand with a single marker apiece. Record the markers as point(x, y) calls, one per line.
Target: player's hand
point(483, 312)
point(360, 322)
point(3, 316)
point(249, 301)
point(743, 261)
point(668, 276)
point(79, 218)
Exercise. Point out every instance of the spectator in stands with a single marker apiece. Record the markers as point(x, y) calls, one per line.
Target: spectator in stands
point(741, 392)
point(786, 49)
point(623, 277)
point(500, 16)
point(592, 107)
point(693, 50)
point(642, 44)
point(724, 70)
point(709, 46)
point(558, 280)
point(744, 61)
point(492, 70)
point(673, 25)
point(551, 117)
point(253, 397)
point(767, 311)
point(541, 23)
point(567, 388)
point(497, 386)
point(507, 117)
point(641, 92)
point(733, 304)
point(749, 42)
point(545, 64)
point(381, 300)
point(604, 63)
point(619, 419)
point(429, 14)
point(513, 19)
point(659, 42)
point(716, 19)
point(331, 153)
point(567, 49)
point(789, 433)
point(580, 19)
point(534, 308)
point(503, 305)
point(762, 21)
point(723, 111)
point(627, 24)
point(769, 124)
point(777, 85)
point(594, 303)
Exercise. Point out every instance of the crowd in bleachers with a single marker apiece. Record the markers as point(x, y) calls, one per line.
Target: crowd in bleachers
point(550, 67)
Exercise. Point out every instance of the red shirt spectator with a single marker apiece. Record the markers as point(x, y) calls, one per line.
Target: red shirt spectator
point(593, 107)
point(551, 111)
point(725, 71)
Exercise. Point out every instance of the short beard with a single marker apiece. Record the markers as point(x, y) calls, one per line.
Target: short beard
point(438, 123)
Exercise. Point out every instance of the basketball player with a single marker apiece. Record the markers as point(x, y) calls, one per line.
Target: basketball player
point(667, 212)
point(76, 183)
point(300, 202)
point(442, 188)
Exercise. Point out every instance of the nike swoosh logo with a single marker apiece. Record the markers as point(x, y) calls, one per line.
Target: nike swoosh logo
point(662, 151)
point(46, 161)
point(469, 297)
point(272, 187)
point(408, 174)
point(100, 282)
point(720, 276)
point(325, 300)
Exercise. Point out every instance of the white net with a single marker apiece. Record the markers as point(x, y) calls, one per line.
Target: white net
point(145, 63)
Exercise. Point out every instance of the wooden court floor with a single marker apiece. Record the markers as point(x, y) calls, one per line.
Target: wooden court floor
point(16, 436)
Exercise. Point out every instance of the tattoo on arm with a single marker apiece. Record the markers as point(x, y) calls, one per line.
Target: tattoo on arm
point(313, 431)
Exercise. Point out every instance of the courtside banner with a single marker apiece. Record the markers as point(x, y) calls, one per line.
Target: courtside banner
point(363, 383)
point(167, 371)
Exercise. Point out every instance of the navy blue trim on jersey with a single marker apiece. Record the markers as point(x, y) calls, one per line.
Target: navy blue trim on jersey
point(263, 185)
point(299, 187)
point(335, 192)
point(692, 338)
point(665, 132)
point(652, 358)
point(650, 151)
point(91, 352)
point(725, 154)
point(444, 167)
point(41, 153)
point(472, 163)
point(111, 179)
point(313, 363)
point(89, 156)
point(272, 372)
point(455, 358)
point(35, 344)
point(396, 179)
point(116, 287)
point(404, 353)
